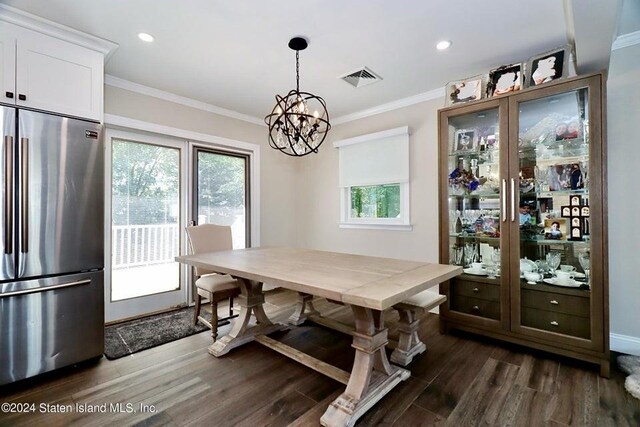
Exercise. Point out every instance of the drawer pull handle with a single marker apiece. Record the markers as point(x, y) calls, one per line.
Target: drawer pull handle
point(554, 302)
point(476, 290)
point(475, 307)
point(554, 323)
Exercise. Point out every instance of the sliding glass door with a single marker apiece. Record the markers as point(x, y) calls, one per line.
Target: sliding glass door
point(221, 192)
point(147, 198)
point(156, 186)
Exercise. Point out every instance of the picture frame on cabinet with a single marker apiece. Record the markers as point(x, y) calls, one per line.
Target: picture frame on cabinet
point(566, 211)
point(505, 79)
point(584, 212)
point(466, 90)
point(465, 141)
point(547, 67)
point(555, 229)
point(575, 201)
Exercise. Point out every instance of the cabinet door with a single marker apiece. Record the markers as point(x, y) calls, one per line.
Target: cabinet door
point(58, 76)
point(7, 64)
point(473, 217)
point(556, 239)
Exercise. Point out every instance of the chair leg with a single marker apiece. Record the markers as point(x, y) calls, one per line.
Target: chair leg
point(197, 311)
point(214, 319)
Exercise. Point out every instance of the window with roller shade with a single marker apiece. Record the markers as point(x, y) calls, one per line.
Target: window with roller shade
point(374, 180)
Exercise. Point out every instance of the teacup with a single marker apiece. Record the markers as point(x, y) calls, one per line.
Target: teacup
point(532, 277)
point(567, 268)
point(476, 266)
point(564, 276)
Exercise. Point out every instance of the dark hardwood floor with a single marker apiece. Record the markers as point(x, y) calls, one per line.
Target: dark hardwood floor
point(460, 380)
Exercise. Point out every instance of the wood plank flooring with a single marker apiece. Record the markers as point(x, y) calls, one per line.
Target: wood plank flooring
point(460, 380)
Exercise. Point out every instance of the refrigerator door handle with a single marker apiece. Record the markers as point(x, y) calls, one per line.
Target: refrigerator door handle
point(45, 288)
point(8, 194)
point(25, 194)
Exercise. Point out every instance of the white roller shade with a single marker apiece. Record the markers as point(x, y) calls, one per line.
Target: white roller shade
point(374, 159)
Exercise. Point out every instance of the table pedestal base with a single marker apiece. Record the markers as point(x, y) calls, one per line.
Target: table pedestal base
point(250, 301)
point(372, 376)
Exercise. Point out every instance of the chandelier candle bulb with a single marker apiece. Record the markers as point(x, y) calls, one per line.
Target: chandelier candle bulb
point(292, 130)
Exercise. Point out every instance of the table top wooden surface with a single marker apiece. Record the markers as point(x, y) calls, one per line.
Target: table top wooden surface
point(365, 281)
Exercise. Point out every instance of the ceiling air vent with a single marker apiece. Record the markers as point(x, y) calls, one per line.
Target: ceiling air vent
point(361, 77)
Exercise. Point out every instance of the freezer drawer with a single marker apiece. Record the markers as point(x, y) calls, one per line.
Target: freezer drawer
point(50, 323)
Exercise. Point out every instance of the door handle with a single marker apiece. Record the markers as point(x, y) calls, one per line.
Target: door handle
point(25, 194)
point(22, 97)
point(504, 200)
point(8, 194)
point(513, 199)
point(45, 288)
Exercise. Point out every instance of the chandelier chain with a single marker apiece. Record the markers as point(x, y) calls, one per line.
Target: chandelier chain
point(297, 71)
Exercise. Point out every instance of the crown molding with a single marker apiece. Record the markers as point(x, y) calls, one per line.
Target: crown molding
point(390, 106)
point(59, 31)
point(177, 99)
point(626, 40)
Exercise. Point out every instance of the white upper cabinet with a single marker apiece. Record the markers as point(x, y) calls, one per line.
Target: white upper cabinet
point(7, 65)
point(50, 67)
point(58, 76)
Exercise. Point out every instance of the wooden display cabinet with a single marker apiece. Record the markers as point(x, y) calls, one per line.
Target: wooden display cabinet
point(523, 209)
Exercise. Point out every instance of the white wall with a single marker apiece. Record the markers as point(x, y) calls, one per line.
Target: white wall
point(319, 196)
point(623, 103)
point(277, 191)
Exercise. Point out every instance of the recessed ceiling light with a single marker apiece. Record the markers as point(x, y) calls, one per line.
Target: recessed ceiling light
point(444, 44)
point(145, 37)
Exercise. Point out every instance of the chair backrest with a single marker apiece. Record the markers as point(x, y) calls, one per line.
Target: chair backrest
point(209, 238)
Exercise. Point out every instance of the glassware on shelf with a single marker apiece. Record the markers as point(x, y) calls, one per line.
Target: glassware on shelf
point(585, 262)
point(543, 266)
point(457, 252)
point(553, 260)
point(470, 253)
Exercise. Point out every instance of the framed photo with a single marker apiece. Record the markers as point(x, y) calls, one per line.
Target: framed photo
point(566, 211)
point(505, 79)
point(575, 222)
point(575, 201)
point(555, 228)
point(575, 211)
point(568, 130)
point(547, 67)
point(584, 212)
point(465, 141)
point(465, 90)
point(565, 177)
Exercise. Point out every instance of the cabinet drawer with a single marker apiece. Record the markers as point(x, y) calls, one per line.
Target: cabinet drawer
point(556, 322)
point(478, 290)
point(476, 306)
point(557, 303)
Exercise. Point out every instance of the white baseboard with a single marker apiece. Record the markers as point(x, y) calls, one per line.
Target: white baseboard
point(625, 344)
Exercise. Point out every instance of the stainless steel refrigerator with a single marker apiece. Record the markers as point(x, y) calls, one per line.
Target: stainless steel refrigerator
point(51, 241)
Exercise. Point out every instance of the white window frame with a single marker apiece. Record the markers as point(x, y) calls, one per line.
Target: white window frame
point(403, 223)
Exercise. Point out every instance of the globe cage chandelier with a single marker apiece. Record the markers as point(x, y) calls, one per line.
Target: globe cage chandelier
point(299, 122)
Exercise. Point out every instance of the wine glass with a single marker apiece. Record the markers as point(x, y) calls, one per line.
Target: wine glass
point(585, 262)
point(470, 253)
point(553, 260)
point(457, 255)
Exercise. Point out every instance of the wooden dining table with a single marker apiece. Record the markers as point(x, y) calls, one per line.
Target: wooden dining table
point(370, 285)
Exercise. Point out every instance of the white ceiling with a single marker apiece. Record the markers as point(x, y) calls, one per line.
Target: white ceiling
point(234, 54)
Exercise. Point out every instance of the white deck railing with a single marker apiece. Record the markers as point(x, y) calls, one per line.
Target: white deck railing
point(135, 245)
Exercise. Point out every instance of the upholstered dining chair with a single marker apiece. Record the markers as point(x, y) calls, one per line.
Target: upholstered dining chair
point(209, 284)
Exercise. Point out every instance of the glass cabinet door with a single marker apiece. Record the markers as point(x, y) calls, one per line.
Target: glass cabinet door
point(474, 229)
point(553, 185)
